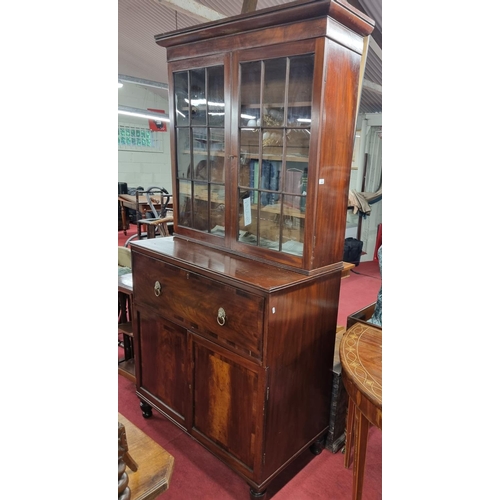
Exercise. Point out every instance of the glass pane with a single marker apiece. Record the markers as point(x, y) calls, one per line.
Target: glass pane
point(291, 205)
point(185, 209)
point(297, 143)
point(198, 98)
point(183, 153)
point(248, 216)
point(250, 177)
point(273, 100)
point(200, 207)
point(300, 91)
point(304, 191)
point(249, 143)
point(181, 99)
point(216, 96)
point(270, 180)
point(269, 224)
point(250, 94)
point(200, 154)
point(293, 182)
point(272, 144)
point(216, 149)
point(293, 235)
point(217, 169)
point(217, 210)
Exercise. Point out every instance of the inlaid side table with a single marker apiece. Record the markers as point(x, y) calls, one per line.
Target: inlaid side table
point(361, 358)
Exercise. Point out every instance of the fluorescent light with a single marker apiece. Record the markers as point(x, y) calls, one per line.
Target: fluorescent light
point(142, 113)
point(202, 102)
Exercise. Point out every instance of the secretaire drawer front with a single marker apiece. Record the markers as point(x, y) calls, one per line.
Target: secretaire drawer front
point(220, 312)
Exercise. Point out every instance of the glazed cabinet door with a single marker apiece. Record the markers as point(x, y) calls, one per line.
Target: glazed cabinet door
point(275, 96)
point(228, 405)
point(200, 123)
point(163, 364)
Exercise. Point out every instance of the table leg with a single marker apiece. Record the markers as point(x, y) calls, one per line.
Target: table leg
point(348, 434)
point(122, 308)
point(139, 225)
point(124, 219)
point(361, 426)
point(127, 347)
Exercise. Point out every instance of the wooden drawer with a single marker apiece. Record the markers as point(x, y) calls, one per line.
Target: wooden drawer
point(193, 301)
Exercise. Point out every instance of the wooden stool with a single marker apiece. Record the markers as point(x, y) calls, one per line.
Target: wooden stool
point(153, 464)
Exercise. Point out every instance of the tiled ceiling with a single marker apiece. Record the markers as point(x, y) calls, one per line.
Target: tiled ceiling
point(140, 57)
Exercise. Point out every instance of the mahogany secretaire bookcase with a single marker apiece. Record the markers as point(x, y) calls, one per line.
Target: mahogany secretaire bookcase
point(235, 315)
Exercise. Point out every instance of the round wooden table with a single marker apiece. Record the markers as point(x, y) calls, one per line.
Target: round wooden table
point(361, 359)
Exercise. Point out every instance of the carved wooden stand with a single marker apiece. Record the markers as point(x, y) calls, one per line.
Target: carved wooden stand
point(124, 460)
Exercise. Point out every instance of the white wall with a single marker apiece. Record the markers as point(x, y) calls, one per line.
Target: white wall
point(369, 225)
point(144, 168)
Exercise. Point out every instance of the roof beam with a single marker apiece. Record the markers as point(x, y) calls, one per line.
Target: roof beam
point(373, 87)
point(249, 6)
point(193, 9)
point(375, 47)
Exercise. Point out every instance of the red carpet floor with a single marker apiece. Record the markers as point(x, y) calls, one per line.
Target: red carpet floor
point(199, 475)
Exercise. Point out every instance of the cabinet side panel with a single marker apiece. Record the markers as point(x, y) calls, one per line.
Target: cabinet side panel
point(301, 343)
point(338, 118)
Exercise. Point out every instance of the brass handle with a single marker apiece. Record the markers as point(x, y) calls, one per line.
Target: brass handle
point(157, 289)
point(221, 317)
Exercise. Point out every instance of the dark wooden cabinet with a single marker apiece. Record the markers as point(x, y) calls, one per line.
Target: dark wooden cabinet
point(236, 313)
point(235, 351)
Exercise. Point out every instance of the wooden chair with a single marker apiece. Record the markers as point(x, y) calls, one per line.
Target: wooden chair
point(158, 225)
point(162, 220)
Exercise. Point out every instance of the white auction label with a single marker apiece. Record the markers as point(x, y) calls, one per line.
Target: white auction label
point(247, 211)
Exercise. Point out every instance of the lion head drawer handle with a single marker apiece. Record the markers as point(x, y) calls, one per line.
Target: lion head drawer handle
point(157, 289)
point(221, 317)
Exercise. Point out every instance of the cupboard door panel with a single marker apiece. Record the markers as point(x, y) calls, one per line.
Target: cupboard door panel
point(163, 363)
point(226, 402)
